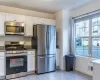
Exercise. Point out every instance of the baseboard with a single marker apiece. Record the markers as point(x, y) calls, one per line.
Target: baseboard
point(31, 73)
point(82, 72)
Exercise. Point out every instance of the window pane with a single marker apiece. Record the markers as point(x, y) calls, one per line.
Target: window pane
point(82, 28)
point(82, 46)
point(96, 47)
point(96, 26)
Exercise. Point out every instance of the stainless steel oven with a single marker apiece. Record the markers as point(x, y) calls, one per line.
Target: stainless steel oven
point(16, 66)
point(14, 28)
point(16, 59)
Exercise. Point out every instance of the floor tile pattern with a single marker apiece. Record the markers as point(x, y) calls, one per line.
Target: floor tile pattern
point(58, 75)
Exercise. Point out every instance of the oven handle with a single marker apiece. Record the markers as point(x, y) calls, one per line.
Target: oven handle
point(10, 55)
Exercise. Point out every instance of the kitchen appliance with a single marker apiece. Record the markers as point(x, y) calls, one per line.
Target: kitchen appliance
point(16, 66)
point(14, 47)
point(14, 28)
point(16, 59)
point(44, 41)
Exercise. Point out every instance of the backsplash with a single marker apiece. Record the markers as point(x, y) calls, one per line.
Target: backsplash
point(15, 38)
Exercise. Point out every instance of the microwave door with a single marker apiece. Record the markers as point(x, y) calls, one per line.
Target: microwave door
point(14, 28)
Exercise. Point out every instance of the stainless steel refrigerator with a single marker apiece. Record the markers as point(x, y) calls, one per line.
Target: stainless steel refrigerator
point(44, 40)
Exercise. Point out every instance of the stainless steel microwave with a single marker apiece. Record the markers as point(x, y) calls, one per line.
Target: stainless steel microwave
point(14, 28)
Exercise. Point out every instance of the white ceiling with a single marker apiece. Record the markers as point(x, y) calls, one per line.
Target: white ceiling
point(50, 6)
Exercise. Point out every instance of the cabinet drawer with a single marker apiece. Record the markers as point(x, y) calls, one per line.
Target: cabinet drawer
point(31, 53)
point(2, 54)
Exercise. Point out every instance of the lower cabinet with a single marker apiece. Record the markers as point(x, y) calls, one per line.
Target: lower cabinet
point(57, 59)
point(2, 62)
point(30, 61)
point(96, 71)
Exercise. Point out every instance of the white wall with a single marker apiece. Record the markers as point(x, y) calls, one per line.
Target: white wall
point(86, 9)
point(63, 28)
point(25, 12)
point(82, 63)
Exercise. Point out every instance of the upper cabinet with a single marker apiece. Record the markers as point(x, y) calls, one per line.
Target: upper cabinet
point(2, 21)
point(29, 26)
point(15, 17)
point(43, 21)
point(30, 21)
point(47, 21)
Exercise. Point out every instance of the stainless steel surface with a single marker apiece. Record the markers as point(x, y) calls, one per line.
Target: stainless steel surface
point(7, 55)
point(14, 23)
point(41, 33)
point(13, 27)
point(15, 33)
point(50, 63)
point(16, 52)
point(46, 48)
point(14, 47)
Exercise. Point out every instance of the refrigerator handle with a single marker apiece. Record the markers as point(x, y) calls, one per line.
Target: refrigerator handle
point(46, 39)
point(42, 57)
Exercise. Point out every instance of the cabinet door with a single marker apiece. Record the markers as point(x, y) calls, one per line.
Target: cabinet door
point(20, 18)
point(2, 21)
point(49, 21)
point(29, 26)
point(2, 66)
point(31, 63)
point(10, 17)
point(15, 17)
point(96, 71)
point(57, 58)
point(37, 20)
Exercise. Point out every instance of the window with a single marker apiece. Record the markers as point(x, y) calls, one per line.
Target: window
point(96, 37)
point(96, 26)
point(96, 47)
point(87, 36)
point(81, 40)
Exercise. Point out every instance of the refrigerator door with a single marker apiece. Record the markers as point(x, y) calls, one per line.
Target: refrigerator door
point(41, 33)
point(50, 63)
point(51, 40)
point(41, 65)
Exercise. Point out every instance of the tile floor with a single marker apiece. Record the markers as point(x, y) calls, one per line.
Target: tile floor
point(59, 75)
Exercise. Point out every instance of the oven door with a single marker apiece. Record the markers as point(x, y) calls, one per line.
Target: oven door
point(16, 64)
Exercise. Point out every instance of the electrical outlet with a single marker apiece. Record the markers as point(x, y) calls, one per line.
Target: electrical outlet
point(90, 68)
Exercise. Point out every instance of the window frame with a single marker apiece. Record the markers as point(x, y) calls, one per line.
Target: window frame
point(90, 37)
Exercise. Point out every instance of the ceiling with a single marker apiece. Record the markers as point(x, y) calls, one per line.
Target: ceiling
point(49, 6)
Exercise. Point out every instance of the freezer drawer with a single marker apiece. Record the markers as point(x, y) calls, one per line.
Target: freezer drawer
point(46, 64)
point(40, 64)
point(50, 63)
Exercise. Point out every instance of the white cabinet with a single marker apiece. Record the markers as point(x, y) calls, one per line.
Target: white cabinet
point(31, 61)
point(96, 69)
point(48, 21)
point(58, 58)
point(29, 26)
point(37, 20)
point(2, 62)
point(30, 21)
point(15, 17)
point(2, 21)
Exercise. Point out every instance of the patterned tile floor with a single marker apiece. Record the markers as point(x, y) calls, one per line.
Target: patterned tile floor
point(58, 75)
